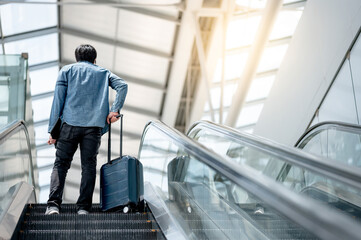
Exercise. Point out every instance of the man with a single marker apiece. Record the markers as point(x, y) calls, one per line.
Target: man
point(81, 102)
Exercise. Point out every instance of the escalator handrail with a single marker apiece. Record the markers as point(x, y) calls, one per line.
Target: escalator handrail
point(327, 125)
point(12, 128)
point(320, 220)
point(329, 168)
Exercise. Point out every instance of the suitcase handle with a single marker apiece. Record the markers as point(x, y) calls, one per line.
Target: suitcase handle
point(121, 138)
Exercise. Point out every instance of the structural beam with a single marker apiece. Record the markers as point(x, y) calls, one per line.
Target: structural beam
point(264, 30)
point(154, 14)
point(226, 20)
point(202, 62)
point(30, 34)
point(213, 55)
point(113, 42)
point(287, 6)
point(43, 65)
point(271, 43)
point(181, 58)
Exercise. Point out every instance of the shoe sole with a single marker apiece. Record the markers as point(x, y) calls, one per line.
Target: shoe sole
point(52, 213)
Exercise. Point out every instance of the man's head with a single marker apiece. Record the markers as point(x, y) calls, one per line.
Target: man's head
point(85, 52)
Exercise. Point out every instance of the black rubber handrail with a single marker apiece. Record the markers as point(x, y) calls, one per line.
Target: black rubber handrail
point(330, 168)
point(12, 128)
point(317, 218)
point(322, 126)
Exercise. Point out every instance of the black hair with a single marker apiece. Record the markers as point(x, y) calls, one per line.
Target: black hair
point(85, 52)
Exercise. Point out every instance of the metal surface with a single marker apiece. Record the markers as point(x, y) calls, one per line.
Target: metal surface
point(325, 167)
point(324, 223)
point(264, 30)
point(162, 215)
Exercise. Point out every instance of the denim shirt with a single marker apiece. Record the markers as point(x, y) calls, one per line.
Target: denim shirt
point(81, 96)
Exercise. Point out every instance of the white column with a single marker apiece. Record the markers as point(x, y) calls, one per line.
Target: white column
point(270, 13)
point(182, 55)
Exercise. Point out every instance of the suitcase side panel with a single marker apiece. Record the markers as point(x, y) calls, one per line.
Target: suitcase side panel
point(114, 184)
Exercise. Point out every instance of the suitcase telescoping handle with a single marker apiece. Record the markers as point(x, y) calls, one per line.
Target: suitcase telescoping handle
point(121, 138)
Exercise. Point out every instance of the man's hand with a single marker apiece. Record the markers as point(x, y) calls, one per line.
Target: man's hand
point(51, 140)
point(111, 117)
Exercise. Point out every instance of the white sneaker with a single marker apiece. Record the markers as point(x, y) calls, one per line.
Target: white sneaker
point(52, 210)
point(82, 212)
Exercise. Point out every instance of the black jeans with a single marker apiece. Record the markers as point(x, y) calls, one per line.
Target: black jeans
point(70, 137)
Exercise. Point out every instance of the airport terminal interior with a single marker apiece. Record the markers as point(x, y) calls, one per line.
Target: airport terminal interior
point(244, 115)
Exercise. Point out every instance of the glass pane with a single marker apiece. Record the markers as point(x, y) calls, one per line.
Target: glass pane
point(18, 18)
point(249, 115)
point(340, 144)
point(41, 108)
point(147, 31)
point(13, 68)
point(241, 32)
point(105, 52)
point(45, 157)
point(41, 134)
point(260, 88)
point(135, 97)
point(77, 16)
point(43, 80)
point(340, 95)
point(207, 116)
point(229, 90)
point(14, 165)
point(3, 120)
point(251, 3)
point(40, 49)
point(141, 65)
point(234, 65)
point(4, 98)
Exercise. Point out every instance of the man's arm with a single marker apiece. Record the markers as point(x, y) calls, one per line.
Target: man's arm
point(58, 101)
point(121, 88)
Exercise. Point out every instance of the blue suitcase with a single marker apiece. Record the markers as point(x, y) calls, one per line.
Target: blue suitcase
point(121, 181)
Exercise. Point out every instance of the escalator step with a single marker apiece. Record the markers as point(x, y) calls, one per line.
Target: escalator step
point(289, 234)
point(89, 224)
point(91, 216)
point(277, 224)
point(91, 234)
point(213, 234)
point(65, 208)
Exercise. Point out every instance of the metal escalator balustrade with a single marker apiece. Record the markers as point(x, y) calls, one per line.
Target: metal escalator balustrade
point(327, 181)
point(213, 198)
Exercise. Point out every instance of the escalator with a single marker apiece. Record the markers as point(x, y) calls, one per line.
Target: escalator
point(329, 181)
point(191, 193)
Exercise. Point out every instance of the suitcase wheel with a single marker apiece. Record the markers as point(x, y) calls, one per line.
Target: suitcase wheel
point(126, 209)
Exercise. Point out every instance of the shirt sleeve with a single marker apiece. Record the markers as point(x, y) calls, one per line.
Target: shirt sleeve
point(58, 100)
point(121, 87)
